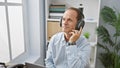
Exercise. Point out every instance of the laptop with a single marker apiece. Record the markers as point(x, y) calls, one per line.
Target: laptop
point(30, 65)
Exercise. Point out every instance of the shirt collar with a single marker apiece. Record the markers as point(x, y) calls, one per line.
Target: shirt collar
point(63, 38)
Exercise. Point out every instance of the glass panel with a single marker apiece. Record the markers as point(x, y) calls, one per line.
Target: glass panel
point(2, 0)
point(16, 30)
point(15, 1)
point(4, 46)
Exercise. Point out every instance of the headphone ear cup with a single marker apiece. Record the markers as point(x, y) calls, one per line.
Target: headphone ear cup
point(79, 24)
point(61, 22)
point(82, 24)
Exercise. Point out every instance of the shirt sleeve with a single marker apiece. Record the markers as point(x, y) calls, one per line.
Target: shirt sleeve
point(49, 60)
point(78, 56)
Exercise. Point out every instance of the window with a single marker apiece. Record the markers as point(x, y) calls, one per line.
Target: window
point(15, 1)
point(2, 0)
point(11, 29)
point(4, 51)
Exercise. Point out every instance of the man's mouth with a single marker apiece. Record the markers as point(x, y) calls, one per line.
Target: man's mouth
point(65, 27)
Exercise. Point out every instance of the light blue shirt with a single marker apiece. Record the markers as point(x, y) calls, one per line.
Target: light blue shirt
point(62, 55)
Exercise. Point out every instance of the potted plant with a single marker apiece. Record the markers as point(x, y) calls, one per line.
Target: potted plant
point(87, 35)
point(110, 44)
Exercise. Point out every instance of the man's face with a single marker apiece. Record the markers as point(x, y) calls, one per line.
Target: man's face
point(69, 21)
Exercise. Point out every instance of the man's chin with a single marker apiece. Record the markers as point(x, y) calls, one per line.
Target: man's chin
point(67, 32)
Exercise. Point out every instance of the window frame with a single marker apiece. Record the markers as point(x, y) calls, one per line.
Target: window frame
point(6, 4)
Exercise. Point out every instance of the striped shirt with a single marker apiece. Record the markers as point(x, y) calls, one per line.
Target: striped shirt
point(62, 55)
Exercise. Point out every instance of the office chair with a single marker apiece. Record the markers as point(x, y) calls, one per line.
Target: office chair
point(2, 65)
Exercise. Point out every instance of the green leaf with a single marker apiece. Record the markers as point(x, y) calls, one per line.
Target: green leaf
point(104, 35)
point(87, 35)
point(117, 26)
point(117, 61)
point(117, 47)
point(103, 47)
point(108, 15)
point(107, 59)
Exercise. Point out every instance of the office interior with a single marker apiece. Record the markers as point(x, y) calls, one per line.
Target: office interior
point(26, 28)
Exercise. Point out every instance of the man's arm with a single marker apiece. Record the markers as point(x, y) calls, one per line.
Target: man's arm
point(78, 55)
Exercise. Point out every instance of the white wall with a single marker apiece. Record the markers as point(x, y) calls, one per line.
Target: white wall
point(36, 37)
point(34, 26)
point(91, 9)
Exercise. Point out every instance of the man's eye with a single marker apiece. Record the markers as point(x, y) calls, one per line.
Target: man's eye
point(70, 20)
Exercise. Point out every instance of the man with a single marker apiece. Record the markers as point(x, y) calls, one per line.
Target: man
point(68, 49)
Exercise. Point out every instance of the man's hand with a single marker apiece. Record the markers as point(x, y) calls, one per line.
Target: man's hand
point(75, 34)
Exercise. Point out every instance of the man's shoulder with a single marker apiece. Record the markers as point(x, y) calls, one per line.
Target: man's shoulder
point(82, 40)
point(57, 35)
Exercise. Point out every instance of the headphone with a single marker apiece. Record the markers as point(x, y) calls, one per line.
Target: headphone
point(80, 22)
